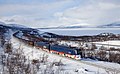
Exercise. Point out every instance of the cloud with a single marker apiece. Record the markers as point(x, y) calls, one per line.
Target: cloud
point(62, 13)
point(32, 9)
point(33, 15)
point(97, 13)
point(32, 22)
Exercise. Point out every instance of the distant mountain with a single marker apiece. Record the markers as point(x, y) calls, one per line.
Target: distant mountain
point(14, 27)
point(112, 25)
point(72, 27)
point(64, 27)
point(2, 23)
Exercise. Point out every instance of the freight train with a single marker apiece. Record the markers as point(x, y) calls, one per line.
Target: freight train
point(70, 52)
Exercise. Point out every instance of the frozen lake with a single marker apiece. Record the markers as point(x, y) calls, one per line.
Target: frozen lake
point(82, 31)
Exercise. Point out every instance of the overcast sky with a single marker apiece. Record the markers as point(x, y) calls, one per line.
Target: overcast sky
point(50, 13)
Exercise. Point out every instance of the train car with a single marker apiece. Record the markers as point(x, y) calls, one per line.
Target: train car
point(66, 51)
point(43, 45)
point(59, 49)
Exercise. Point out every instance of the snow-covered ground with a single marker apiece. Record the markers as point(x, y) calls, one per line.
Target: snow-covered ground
point(102, 63)
point(112, 43)
point(71, 66)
